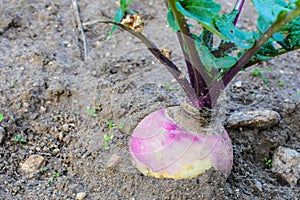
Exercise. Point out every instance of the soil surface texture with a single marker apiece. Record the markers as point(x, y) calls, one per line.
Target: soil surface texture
point(67, 122)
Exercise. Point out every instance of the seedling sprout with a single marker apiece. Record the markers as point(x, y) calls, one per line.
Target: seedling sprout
point(268, 162)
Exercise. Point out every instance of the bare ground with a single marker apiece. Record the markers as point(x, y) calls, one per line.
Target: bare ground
point(46, 90)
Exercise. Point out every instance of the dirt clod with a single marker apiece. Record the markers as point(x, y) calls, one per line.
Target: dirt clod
point(286, 163)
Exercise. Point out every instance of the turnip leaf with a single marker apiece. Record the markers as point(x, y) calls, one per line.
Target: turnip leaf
point(207, 14)
point(288, 37)
point(172, 22)
point(211, 63)
point(240, 38)
point(269, 10)
point(203, 11)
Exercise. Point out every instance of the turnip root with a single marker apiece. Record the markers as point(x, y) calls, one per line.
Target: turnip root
point(164, 146)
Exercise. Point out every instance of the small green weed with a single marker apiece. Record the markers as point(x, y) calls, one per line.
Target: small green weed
point(19, 138)
point(113, 125)
point(1, 117)
point(44, 169)
point(54, 117)
point(13, 84)
point(268, 162)
point(107, 139)
point(91, 112)
point(281, 83)
point(51, 179)
point(56, 174)
point(168, 87)
point(259, 73)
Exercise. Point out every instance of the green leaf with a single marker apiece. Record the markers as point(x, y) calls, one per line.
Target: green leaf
point(207, 38)
point(259, 73)
point(266, 51)
point(203, 11)
point(118, 16)
point(270, 10)
point(291, 33)
point(207, 58)
point(281, 83)
point(240, 38)
point(211, 63)
point(1, 117)
point(225, 63)
point(206, 12)
point(172, 22)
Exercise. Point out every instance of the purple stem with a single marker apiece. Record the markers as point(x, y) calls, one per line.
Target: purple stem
point(238, 6)
point(187, 61)
point(194, 64)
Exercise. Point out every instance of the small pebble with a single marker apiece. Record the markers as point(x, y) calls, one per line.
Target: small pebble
point(32, 164)
point(26, 105)
point(81, 195)
point(238, 84)
point(55, 152)
point(255, 119)
point(94, 73)
point(286, 163)
point(61, 136)
point(43, 109)
point(66, 128)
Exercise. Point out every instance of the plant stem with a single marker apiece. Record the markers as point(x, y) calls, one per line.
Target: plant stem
point(238, 6)
point(173, 69)
point(279, 52)
point(195, 68)
point(80, 27)
point(192, 73)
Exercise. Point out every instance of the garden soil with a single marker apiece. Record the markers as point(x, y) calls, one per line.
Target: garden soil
point(58, 106)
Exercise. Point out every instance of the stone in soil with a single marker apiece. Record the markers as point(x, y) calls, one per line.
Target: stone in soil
point(81, 195)
point(32, 164)
point(286, 163)
point(256, 119)
point(65, 128)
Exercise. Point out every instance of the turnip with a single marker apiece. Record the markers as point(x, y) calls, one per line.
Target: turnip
point(185, 141)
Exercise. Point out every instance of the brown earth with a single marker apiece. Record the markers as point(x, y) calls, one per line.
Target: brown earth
point(47, 89)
